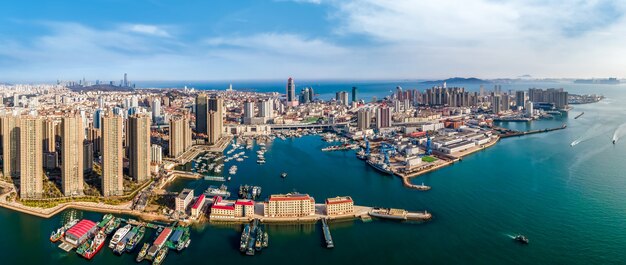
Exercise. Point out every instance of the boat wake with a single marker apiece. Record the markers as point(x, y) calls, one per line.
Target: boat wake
point(588, 135)
point(619, 132)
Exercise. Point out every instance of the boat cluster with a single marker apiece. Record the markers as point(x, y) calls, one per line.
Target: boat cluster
point(249, 192)
point(124, 239)
point(253, 238)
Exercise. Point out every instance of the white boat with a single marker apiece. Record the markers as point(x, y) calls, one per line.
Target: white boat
point(119, 234)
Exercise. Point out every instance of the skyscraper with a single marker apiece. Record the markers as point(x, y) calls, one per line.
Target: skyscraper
point(363, 119)
point(139, 147)
point(215, 123)
point(201, 113)
point(72, 137)
point(342, 97)
point(520, 98)
point(125, 80)
point(49, 135)
point(383, 117)
point(31, 157)
point(354, 94)
point(496, 104)
point(156, 110)
point(11, 146)
point(266, 109)
point(291, 93)
point(112, 153)
point(177, 136)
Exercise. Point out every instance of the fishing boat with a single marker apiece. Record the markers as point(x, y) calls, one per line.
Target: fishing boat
point(56, 235)
point(160, 257)
point(142, 252)
point(521, 239)
point(265, 240)
point(90, 248)
point(283, 175)
point(134, 241)
point(113, 224)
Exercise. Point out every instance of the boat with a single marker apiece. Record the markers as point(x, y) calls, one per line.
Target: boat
point(213, 191)
point(113, 224)
point(283, 175)
point(578, 116)
point(121, 245)
point(160, 257)
point(134, 241)
point(92, 247)
point(261, 162)
point(382, 167)
point(265, 240)
point(258, 243)
point(399, 214)
point(243, 242)
point(422, 187)
point(521, 239)
point(142, 252)
point(361, 155)
point(159, 242)
point(56, 235)
point(119, 235)
point(614, 141)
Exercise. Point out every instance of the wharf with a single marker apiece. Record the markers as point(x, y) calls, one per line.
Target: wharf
point(505, 133)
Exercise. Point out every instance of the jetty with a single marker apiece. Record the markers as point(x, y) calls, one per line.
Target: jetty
point(578, 116)
point(505, 133)
point(327, 237)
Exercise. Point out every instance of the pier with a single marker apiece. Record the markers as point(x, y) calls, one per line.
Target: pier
point(505, 133)
point(327, 237)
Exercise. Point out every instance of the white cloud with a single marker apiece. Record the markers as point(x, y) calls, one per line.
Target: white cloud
point(147, 30)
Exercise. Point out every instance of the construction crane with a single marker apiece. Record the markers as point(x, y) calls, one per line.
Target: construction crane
point(387, 149)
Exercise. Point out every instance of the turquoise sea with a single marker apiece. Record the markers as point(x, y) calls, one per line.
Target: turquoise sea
point(569, 201)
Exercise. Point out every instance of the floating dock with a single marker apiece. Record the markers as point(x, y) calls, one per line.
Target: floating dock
point(327, 237)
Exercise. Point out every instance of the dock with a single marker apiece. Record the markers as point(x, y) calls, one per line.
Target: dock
point(67, 247)
point(327, 237)
point(510, 133)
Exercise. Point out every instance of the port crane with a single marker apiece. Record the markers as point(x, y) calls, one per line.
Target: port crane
point(386, 149)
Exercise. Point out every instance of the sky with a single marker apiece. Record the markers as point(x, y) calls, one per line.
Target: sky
point(43, 40)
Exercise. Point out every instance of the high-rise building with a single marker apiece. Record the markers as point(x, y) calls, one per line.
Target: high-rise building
point(139, 147)
point(215, 121)
point(126, 80)
point(177, 136)
point(11, 146)
point(97, 118)
point(342, 97)
point(31, 157)
point(248, 109)
point(355, 94)
point(291, 93)
point(305, 95)
point(156, 110)
point(266, 109)
point(496, 104)
point(87, 156)
point(520, 98)
point(201, 113)
point(72, 137)
point(49, 136)
point(112, 155)
point(383, 117)
point(156, 154)
point(364, 118)
point(187, 134)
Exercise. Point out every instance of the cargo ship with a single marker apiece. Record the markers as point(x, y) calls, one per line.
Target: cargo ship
point(92, 247)
point(159, 242)
point(121, 245)
point(134, 241)
point(119, 235)
point(142, 252)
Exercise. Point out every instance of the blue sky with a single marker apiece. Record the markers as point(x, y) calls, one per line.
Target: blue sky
point(310, 39)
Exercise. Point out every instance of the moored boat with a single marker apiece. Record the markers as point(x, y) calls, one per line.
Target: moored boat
point(93, 246)
point(118, 236)
point(134, 241)
point(142, 252)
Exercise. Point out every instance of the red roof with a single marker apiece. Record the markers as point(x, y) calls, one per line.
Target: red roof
point(223, 207)
point(81, 228)
point(338, 201)
point(244, 202)
point(198, 202)
point(163, 236)
point(290, 198)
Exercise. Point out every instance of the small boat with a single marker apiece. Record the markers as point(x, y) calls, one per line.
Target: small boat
point(521, 239)
point(142, 252)
point(160, 257)
point(258, 243)
point(265, 240)
point(283, 175)
point(614, 141)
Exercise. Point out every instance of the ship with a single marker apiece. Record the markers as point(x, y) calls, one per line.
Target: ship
point(521, 239)
point(56, 235)
point(113, 224)
point(119, 235)
point(213, 191)
point(121, 245)
point(142, 252)
point(258, 243)
point(399, 214)
point(265, 240)
point(243, 242)
point(134, 241)
point(93, 246)
point(382, 167)
point(160, 257)
point(283, 175)
point(361, 155)
point(159, 242)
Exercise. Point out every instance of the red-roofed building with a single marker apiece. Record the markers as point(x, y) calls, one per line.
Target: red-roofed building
point(222, 209)
point(78, 233)
point(244, 208)
point(289, 205)
point(339, 206)
point(196, 209)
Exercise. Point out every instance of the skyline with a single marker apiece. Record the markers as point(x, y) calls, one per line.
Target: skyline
point(310, 39)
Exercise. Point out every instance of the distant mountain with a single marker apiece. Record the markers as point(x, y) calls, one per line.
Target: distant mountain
point(457, 80)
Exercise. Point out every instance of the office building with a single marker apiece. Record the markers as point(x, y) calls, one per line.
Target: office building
point(342, 97)
point(289, 205)
point(354, 94)
point(291, 93)
point(201, 113)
